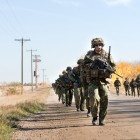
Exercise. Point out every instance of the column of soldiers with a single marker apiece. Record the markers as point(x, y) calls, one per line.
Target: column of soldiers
point(130, 87)
point(88, 81)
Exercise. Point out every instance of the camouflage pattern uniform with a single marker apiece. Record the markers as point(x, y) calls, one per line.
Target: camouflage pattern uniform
point(133, 86)
point(117, 85)
point(60, 89)
point(77, 88)
point(138, 84)
point(127, 86)
point(80, 63)
point(83, 77)
point(67, 88)
point(70, 73)
point(54, 86)
point(98, 88)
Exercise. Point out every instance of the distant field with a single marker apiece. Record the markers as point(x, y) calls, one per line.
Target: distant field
point(5, 89)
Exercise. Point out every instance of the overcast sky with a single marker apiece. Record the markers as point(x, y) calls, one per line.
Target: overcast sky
point(61, 32)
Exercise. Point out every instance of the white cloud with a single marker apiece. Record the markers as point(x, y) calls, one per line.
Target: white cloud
point(67, 2)
point(117, 2)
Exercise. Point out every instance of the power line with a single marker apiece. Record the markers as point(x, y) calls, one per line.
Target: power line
point(15, 17)
point(8, 13)
point(9, 23)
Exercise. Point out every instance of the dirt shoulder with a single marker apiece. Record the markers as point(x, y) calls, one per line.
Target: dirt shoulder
point(59, 122)
point(38, 94)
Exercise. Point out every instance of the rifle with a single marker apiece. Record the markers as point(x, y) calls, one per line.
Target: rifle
point(101, 63)
point(109, 53)
point(110, 61)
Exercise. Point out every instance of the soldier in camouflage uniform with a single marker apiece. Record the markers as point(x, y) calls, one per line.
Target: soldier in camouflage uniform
point(98, 90)
point(74, 76)
point(88, 80)
point(127, 86)
point(54, 86)
point(77, 87)
point(117, 85)
point(67, 87)
point(133, 86)
point(80, 63)
point(138, 84)
point(60, 89)
point(70, 73)
point(84, 83)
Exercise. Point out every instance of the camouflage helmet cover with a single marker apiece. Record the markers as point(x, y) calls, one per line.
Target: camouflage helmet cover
point(80, 61)
point(60, 75)
point(126, 78)
point(75, 70)
point(68, 68)
point(96, 41)
point(138, 75)
point(64, 71)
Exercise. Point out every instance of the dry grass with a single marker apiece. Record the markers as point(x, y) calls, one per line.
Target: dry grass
point(11, 114)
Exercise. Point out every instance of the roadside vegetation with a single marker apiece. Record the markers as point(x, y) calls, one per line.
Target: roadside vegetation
point(125, 69)
point(9, 117)
point(13, 88)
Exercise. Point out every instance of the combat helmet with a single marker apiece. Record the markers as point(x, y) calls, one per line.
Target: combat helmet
point(68, 68)
point(138, 76)
point(96, 41)
point(64, 72)
point(75, 70)
point(60, 75)
point(80, 61)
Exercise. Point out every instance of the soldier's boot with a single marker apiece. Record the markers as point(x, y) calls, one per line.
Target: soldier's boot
point(88, 113)
point(94, 121)
point(81, 108)
point(101, 122)
point(78, 109)
point(63, 102)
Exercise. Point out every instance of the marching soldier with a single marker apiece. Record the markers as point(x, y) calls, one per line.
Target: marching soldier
point(84, 83)
point(117, 85)
point(133, 86)
point(68, 87)
point(77, 88)
point(127, 86)
point(99, 60)
point(138, 84)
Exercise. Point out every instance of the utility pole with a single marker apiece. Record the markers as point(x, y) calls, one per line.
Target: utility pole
point(36, 68)
point(43, 75)
point(45, 79)
point(22, 41)
point(31, 67)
